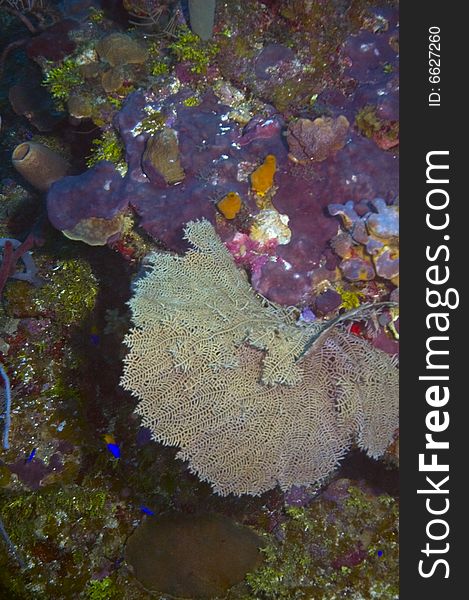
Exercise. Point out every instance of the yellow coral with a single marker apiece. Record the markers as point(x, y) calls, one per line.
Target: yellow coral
point(262, 179)
point(350, 298)
point(230, 205)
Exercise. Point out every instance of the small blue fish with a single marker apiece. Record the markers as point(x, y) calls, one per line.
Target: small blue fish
point(380, 553)
point(147, 511)
point(114, 450)
point(31, 455)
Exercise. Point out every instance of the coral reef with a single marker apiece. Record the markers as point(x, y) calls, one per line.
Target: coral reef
point(218, 157)
point(163, 123)
point(218, 373)
point(345, 544)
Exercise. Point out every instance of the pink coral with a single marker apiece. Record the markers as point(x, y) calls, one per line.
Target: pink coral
point(249, 252)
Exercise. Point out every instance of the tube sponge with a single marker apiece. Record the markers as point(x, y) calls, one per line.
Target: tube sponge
point(202, 16)
point(39, 165)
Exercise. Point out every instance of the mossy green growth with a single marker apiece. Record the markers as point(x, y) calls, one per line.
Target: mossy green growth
point(191, 101)
point(61, 80)
point(369, 124)
point(158, 65)
point(152, 123)
point(115, 102)
point(295, 91)
point(188, 47)
point(70, 525)
point(74, 501)
point(108, 147)
point(367, 121)
point(101, 590)
point(5, 475)
point(70, 291)
point(330, 551)
point(159, 68)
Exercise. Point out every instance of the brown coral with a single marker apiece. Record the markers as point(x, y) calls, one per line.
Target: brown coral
point(119, 49)
point(112, 80)
point(161, 157)
point(210, 362)
point(316, 140)
point(180, 554)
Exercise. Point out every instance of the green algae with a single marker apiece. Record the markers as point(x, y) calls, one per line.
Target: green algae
point(295, 91)
point(74, 501)
point(351, 298)
point(62, 79)
point(5, 476)
point(95, 15)
point(370, 124)
point(101, 590)
point(191, 101)
point(63, 533)
point(188, 47)
point(367, 121)
point(108, 147)
point(153, 122)
point(70, 291)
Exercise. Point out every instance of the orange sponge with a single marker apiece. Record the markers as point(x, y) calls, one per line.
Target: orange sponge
point(230, 205)
point(262, 179)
